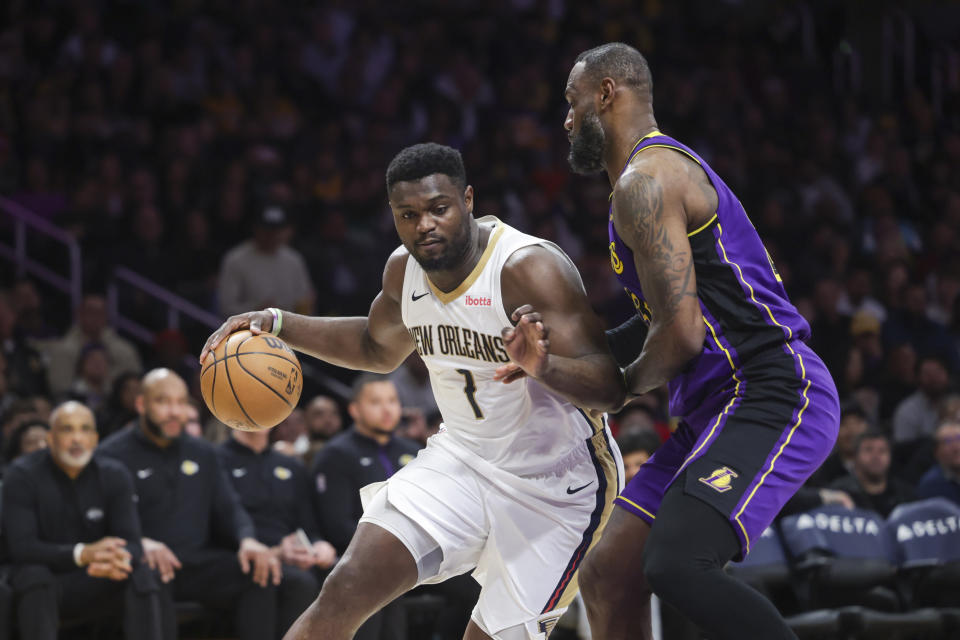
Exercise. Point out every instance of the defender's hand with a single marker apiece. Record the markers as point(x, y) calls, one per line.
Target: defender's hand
point(257, 321)
point(528, 343)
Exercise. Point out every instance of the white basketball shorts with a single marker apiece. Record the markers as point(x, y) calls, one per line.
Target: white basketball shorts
point(523, 537)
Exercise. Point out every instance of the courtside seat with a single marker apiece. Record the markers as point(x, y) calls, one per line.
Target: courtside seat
point(845, 557)
point(927, 537)
point(766, 567)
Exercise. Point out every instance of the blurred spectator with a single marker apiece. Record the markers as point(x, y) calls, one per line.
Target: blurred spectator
point(121, 407)
point(290, 436)
point(7, 398)
point(187, 507)
point(276, 492)
point(917, 415)
point(72, 532)
point(412, 381)
point(26, 370)
point(414, 426)
point(943, 478)
point(911, 324)
point(830, 330)
point(32, 323)
point(365, 453)
point(170, 351)
point(870, 485)
point(28, 437)
point(90, 386)
point(90, 327)
point(265, 272)
point(636, 446)
point(839, 464)
point(323, 422)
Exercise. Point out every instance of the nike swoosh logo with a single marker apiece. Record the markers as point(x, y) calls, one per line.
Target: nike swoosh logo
point(578, 489)
point(415, 297)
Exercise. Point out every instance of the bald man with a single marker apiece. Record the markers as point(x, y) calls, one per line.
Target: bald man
point(73, 535)
point(188, 508)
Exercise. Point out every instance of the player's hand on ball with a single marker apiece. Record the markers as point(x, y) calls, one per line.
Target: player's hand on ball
point(528, 343)
point(266, 565)
point(257, 321)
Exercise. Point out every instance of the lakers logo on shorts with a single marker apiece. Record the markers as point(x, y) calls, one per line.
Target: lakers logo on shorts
point(720, 480)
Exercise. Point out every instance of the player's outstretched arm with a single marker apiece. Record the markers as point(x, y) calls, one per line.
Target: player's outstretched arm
point(557, 338)
point(378, 342)
point(648, 211)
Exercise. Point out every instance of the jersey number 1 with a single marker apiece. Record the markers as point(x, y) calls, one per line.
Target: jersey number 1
point(470, 390)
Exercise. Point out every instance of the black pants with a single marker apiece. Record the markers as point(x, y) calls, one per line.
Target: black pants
point(298, 589)
point(45, 598)
point(213, 578)
point(683, 560)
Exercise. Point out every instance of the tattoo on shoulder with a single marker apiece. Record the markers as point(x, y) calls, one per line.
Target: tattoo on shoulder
point(663, 268)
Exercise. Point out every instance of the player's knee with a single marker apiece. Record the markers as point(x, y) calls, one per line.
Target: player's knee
point(590, 578)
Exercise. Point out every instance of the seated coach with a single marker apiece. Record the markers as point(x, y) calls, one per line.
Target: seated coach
point(73, 536)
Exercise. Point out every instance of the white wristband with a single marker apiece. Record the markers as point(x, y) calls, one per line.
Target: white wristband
point(277, 321)
point(78, 554)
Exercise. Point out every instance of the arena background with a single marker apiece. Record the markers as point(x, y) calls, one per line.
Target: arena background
point(141, 140)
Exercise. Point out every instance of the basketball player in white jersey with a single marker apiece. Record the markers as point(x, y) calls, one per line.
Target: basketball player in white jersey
point(518, 483)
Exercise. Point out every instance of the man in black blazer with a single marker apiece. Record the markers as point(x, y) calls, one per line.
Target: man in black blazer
point(73, 535)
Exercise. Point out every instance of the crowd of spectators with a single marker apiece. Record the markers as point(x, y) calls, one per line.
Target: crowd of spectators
point(233, 152)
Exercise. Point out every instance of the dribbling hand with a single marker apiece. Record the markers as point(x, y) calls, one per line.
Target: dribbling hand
point(257, 321)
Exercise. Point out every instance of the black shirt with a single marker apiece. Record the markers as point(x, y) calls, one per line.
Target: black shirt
point(273, 488)
point(347, 463)
point(185, 499)
point(45, 513)
point(897, 492)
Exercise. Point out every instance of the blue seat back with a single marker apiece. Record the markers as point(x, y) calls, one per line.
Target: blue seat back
point(926, 532)
point(765, 551)
point(837, 531)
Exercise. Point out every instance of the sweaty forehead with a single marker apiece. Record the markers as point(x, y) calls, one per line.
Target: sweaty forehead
point(425, 189)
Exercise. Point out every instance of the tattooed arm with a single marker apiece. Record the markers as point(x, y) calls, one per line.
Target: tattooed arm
point(650, 213)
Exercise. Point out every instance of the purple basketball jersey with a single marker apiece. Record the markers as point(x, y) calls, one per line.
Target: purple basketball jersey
point(745, 307)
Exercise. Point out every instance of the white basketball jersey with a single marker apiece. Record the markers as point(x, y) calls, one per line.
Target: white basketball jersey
point(523, 427)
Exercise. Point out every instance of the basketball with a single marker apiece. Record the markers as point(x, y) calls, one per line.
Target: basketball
point(251, 382)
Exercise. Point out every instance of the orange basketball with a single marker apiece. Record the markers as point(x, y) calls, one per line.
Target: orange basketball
point(251, 382)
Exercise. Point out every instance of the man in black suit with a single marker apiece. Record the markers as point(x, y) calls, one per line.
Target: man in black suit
point(73, 535)
point(196, 532)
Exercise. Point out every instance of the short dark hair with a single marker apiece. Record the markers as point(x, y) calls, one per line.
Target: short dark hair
point(870, 434)
point(364, 379)
point(619, 61)
point(422, 160)
point(12, 449)
point(643, 440)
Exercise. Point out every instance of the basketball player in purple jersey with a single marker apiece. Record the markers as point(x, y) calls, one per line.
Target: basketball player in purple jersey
point(759, 409)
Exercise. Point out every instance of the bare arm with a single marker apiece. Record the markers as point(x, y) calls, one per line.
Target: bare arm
point(378, 342)
point(650, 217)
point(564, 347)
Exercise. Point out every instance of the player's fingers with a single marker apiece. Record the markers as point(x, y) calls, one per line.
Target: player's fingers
point(174, 561)
point(508, 334)
point(520, 311)
point(532, 318)
point(543, 345)
point(513, 377)
point(151, 559)
point(244, 562)
point(276, 570)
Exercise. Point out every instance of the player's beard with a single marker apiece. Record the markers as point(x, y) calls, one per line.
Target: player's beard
point(457, 249)
point(586, 147)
